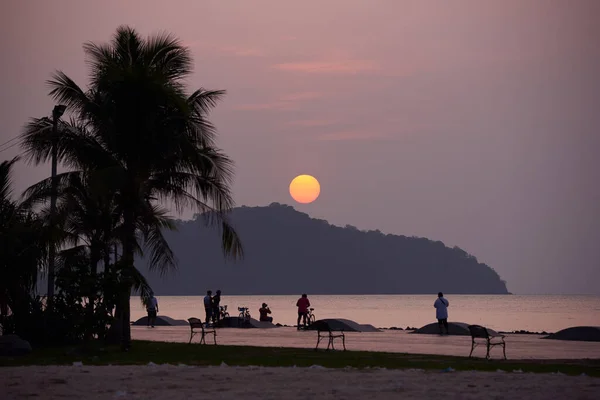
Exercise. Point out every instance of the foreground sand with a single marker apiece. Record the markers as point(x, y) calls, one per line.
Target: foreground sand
point(182, 382)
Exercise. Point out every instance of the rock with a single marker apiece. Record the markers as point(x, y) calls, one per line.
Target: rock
point(577, 333)
point(12, 345)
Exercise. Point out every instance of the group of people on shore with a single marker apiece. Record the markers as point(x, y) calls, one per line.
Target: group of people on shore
point(303, 305)
point(212, 308)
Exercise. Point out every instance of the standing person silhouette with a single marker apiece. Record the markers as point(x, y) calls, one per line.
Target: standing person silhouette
point(152, 309)
point(441, 312)
point(208, 307)
point(216, 303)
point(302, 305)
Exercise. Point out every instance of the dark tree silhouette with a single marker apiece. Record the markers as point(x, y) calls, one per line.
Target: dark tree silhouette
point(137, 132)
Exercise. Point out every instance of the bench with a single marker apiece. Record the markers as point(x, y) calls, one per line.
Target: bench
point(197, 328)
point(489, 339)
point(324, 331)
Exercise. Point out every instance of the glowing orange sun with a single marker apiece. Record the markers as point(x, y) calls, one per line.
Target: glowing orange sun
point(305, 189)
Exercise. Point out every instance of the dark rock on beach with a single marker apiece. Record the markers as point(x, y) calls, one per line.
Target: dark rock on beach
point(12, 345)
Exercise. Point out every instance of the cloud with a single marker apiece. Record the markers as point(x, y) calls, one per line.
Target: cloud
point(287, 102)
point(241, 51)
point(302, 96)
point(276, 105)
point(330, 67)
point(312, 122)
point(351, 135)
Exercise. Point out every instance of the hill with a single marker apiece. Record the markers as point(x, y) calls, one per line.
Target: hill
point(287, 252)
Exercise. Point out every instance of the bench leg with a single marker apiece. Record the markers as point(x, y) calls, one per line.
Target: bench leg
point(504, 350)
point(215, 337)
point(344, 342)
point(318, 341)
point(487, 356)
point(472, 348)
point(202, 339)
point(191, 336)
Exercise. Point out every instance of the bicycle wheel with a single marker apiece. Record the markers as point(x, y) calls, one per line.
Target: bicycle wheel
point(226, 315)
point(311, 319)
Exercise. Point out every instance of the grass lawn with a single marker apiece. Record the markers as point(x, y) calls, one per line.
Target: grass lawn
point(144, 352)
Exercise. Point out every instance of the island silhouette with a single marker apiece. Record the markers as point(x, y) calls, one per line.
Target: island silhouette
point(288, 252)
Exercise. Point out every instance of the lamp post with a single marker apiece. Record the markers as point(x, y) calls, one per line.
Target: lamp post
point(57, 112)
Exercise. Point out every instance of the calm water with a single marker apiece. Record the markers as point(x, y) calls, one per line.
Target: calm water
point(507, 313)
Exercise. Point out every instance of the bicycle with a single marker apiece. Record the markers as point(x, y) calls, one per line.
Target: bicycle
point(244, 313)
point(223, 312)
point(310, 317)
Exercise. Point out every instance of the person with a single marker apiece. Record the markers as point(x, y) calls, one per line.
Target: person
point(152, 309)
point(441, 312)
point(264, 312)
point(302, 305)
point(216, 302)
point(208, 306)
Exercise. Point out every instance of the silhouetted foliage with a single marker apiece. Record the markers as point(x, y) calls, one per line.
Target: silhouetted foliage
point(287, 252)
point(135, 137)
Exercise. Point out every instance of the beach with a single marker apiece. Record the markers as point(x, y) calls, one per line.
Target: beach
point(226, 382)
point(518, 347)
point(549, 313)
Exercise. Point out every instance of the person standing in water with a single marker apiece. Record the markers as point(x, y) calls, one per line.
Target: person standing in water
point(441, 312)
point(302, 305)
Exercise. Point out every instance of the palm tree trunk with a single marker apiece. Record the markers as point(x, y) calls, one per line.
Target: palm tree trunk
point(113, 303)
point(127, 260)
point(94, 259)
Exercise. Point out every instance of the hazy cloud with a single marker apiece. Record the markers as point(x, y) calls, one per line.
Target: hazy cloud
point(312, 122)
point(286, 102)
point(242, 51)
point(351, 135)
point(330, 67)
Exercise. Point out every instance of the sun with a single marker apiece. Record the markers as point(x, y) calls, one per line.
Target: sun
point(305, 189)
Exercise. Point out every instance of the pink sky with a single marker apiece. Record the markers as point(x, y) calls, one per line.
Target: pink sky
point(471, 122)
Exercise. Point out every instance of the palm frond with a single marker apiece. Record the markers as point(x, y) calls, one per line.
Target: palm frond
point(6, 168)
point(140, 285)
point(154, 220)
point(166, 55)
point(65, 91)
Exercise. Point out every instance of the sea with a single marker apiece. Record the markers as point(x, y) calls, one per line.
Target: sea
point(533, 313)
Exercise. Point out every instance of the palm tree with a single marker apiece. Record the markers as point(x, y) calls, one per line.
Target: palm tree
point(22, 251)
point(144, 138)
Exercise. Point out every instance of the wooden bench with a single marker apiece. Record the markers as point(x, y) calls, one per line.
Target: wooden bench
point(489, 339)
point(324, 331)
point(197, 327)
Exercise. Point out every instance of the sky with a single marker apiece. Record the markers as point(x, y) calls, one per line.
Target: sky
point(473, 122)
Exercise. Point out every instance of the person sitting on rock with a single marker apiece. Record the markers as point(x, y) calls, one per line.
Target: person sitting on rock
point(264, 313)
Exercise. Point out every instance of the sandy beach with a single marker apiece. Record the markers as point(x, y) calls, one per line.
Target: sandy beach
point(519, 347)
point(225, 382)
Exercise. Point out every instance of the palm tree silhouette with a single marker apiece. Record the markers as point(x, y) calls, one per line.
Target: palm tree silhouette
point(137, 131)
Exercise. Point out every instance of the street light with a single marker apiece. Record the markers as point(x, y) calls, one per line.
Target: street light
point(57, 112)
